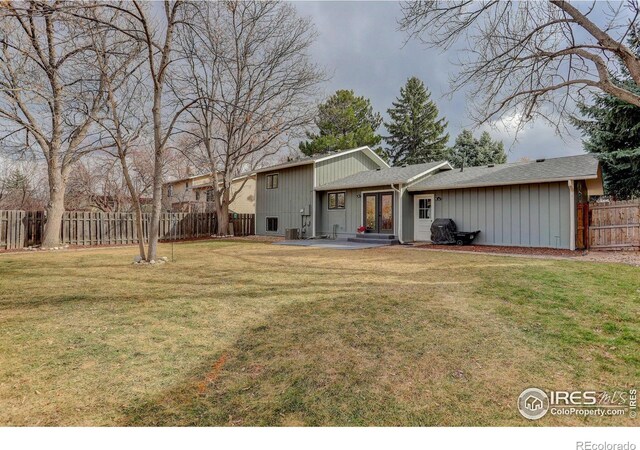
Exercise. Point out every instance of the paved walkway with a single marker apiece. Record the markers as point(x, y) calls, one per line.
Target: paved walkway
point(339, 244)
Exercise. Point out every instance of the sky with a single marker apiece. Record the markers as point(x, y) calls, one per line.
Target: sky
point(361, 48)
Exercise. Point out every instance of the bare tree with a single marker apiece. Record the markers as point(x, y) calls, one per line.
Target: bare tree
point(247, 66)
point(123, 120)
point(48, 94)
point(532, 58)
point(153, 26)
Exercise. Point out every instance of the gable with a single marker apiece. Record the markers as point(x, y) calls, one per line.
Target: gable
point(340, 166)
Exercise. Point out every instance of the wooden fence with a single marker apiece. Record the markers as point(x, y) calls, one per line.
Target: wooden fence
point(20, 229)
point(614, 226)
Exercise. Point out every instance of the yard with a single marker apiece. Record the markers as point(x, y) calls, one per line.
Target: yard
point(247, 333)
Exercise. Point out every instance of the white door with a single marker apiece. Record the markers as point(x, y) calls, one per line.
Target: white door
point(423, 213)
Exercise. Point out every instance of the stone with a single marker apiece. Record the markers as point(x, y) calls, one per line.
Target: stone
point(153, 261)
point(164, 258)
point(137, 259)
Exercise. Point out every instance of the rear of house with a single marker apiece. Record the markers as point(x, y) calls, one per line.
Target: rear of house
point(524, 204)
point(530, 204)
point(286, 195)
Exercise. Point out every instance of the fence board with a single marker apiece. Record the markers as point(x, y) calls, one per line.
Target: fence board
point(20, 229)
point(615, 226)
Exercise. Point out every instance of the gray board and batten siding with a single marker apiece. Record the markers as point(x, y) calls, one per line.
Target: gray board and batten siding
point(295, 190)
point(347, 220)
point(294, 193)
point(527, 215)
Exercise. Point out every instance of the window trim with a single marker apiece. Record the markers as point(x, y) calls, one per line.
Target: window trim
point(337, 208)
point(266, 182)
point(428, 209)
point(266, 224)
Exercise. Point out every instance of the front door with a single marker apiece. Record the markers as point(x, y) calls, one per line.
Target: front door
point(378, 212)
point(423, 212)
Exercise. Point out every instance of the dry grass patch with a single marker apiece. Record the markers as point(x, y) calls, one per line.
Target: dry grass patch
point(242, 333)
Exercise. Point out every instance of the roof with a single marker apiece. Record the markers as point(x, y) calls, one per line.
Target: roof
point(323, 157)
point(206, 175)
point(579, 167)
point(383, 177)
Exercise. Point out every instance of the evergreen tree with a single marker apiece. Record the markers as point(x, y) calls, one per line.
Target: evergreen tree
point(416, 135)
point(469, 151)
point(612, 130)
point(344, 121)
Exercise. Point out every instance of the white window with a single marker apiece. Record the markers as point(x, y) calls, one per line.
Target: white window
point(424, 208)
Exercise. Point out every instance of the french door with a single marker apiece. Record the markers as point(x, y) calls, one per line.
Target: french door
point(378, 212)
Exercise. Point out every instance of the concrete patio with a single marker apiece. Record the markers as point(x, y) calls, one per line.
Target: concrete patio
point(339, 244)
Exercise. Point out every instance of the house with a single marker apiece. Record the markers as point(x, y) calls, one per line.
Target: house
point(193, 194)
point(530, 204)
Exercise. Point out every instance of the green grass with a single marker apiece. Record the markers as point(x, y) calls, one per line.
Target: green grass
point(245, 333)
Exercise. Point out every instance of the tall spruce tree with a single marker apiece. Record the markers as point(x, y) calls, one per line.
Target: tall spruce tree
point(469, 151)
point(344, 121)
point(612, 130)
point(416, 135)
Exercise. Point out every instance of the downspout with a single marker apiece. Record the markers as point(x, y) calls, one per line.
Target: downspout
point(313, 203)
point(572, 221)
point(399, 191)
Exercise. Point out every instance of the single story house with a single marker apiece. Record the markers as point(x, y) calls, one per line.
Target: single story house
point(528, 203)
point(193, 194)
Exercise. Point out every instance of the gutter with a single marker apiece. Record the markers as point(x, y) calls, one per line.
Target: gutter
point(509, 183)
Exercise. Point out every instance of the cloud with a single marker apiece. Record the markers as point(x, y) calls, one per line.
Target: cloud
point(360, 45)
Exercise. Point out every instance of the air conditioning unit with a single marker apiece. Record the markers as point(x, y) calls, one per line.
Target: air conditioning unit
point(291, 234)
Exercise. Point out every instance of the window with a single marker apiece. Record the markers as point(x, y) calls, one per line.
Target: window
point(336, 200)
point(197, 196)
point(210, 195)
point(272, 181)
point(170, 191)
point(424, 208)
point(272, 224)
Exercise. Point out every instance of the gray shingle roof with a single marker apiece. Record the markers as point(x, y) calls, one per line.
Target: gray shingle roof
point(382, 177)
point(310, 159)
point(552, 169)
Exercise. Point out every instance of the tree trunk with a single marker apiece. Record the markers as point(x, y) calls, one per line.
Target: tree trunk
point(136, 204)
point(222, 212)
point(55, 211)
point(154, 226)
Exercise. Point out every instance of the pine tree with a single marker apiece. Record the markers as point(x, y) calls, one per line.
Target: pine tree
point(416, 135)
point(469, 151)
point(612, 130)
point(344, 121)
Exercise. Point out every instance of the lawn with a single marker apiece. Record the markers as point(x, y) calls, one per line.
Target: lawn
point(246, 333)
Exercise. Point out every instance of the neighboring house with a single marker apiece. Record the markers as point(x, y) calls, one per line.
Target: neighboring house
point(193, 194)
point(531, 204)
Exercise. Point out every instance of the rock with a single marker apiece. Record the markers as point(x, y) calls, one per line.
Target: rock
point(164, 258)
point(153, 261)
point(137, 259)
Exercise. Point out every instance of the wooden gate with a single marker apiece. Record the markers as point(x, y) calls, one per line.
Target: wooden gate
point(614, 226)
point(582, 226)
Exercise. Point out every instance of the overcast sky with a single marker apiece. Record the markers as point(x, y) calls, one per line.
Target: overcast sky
point(360, 46)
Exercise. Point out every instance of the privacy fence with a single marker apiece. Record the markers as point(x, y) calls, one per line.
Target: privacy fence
point(20, 229)
point(614, 226)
